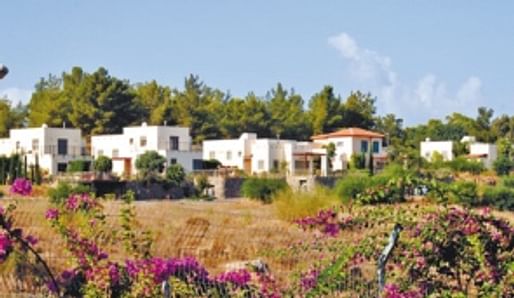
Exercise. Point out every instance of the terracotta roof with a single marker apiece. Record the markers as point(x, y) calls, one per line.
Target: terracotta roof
point(482, 155)
point(349, 132)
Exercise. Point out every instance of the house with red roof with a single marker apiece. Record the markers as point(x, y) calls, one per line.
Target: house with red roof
point(354, 141)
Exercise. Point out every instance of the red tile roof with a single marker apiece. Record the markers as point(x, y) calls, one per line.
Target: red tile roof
point(349, 132)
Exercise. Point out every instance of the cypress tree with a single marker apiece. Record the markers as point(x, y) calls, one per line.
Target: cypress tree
point(37, 171)
point(2, 170)
point(25, 173)
point(12, 169)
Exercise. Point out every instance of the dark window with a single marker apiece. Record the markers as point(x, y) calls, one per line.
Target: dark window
point(173, 161)
point(197, 164)
point(275, 165)
point(376, 146)
point(142, 141)
point(173, 143)
point(61, 167)
point(35, 145)
point(364, 146)
point(62, 146)
point(131, 141)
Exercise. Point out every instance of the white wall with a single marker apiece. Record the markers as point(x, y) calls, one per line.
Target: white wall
point(130, 145)
point(348, 146)
point(445, 148)
point(21, 141)
point(483, 148)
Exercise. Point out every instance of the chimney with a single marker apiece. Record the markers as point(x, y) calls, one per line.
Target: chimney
point(143, 124)
point(64, 124)
point(165, 122)
point(427, 140)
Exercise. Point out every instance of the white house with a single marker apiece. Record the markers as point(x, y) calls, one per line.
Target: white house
point(172, 142)
point(444, 148)
point(53, 147)
point(352, 141)
point(254, 155)
point(486, 153)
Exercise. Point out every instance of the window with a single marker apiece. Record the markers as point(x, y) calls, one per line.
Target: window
point(131, 141)
point(212, 155)
point(197, 164)
point(100, 153)
point(340, 144)
point(239, 153)
point(364, 146)
point(61, 167)
point(142, 141)
point(376, 146)
point(173, 161)
point(275, 165)
point(17, 145)
point(173, 143)
point(62, 146)
point(35, 145)
point(229, 155)
point(115, 153)
point(260, 165)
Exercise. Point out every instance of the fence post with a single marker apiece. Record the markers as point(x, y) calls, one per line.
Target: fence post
point(384, 256)
point(166, 289)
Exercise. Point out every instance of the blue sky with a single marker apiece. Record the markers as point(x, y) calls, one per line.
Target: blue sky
point(422, 59)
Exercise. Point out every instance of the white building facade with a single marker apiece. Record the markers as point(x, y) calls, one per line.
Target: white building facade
point(53, 147)
point(444, 148)
point(353, 141)
point(486, 153)
point(172, 142)
point(254, 155)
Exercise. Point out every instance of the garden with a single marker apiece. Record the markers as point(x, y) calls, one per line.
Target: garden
point(456, 239)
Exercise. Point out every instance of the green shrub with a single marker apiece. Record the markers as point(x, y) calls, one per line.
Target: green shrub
point(211, 164)
point(500, 197)
point(508, 181)
point(63, 190)
point(150, 165)
point(503, 165)
point(351, 185)
point(262, 189)
point(103, 164)
point(464, 192)
point(291, 205)
point(78, 166)
point(462, 164)
point(358, 161)
point(175, 174)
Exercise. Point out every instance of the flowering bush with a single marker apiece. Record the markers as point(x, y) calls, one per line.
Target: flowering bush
point(21, 186)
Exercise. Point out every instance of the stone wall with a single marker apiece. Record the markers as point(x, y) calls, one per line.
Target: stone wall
point(226, 187)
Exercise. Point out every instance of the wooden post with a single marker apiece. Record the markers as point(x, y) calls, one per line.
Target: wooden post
point(384, 256)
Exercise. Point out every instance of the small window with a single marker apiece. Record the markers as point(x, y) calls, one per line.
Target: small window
point(364, 146)
point(239, 153)
point(100, 153)
point(115, 153)
point(173, 161)
point(340, 144)
point(61, 167)
point(197, 164)
point(275, 165)
point(212, 155)
point(229, 155)
point(376, 146)
point(142, 141)
point(260, 165)
point(35, 145)
point(62, 146)
point(17, 145)
point(173, 145)
point(131, 141)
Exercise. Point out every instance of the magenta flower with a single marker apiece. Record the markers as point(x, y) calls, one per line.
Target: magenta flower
point(5, 246)
point(239, 278)
point(21, 186)
point(52, 214)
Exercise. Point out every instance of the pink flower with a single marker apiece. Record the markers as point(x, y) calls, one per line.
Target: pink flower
point(5, 246)
point(52, 214)
point(21, 186)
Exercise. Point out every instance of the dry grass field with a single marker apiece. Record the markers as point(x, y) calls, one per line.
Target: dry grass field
point(216, 233)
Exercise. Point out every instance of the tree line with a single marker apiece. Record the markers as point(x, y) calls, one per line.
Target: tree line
point(99, 103)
